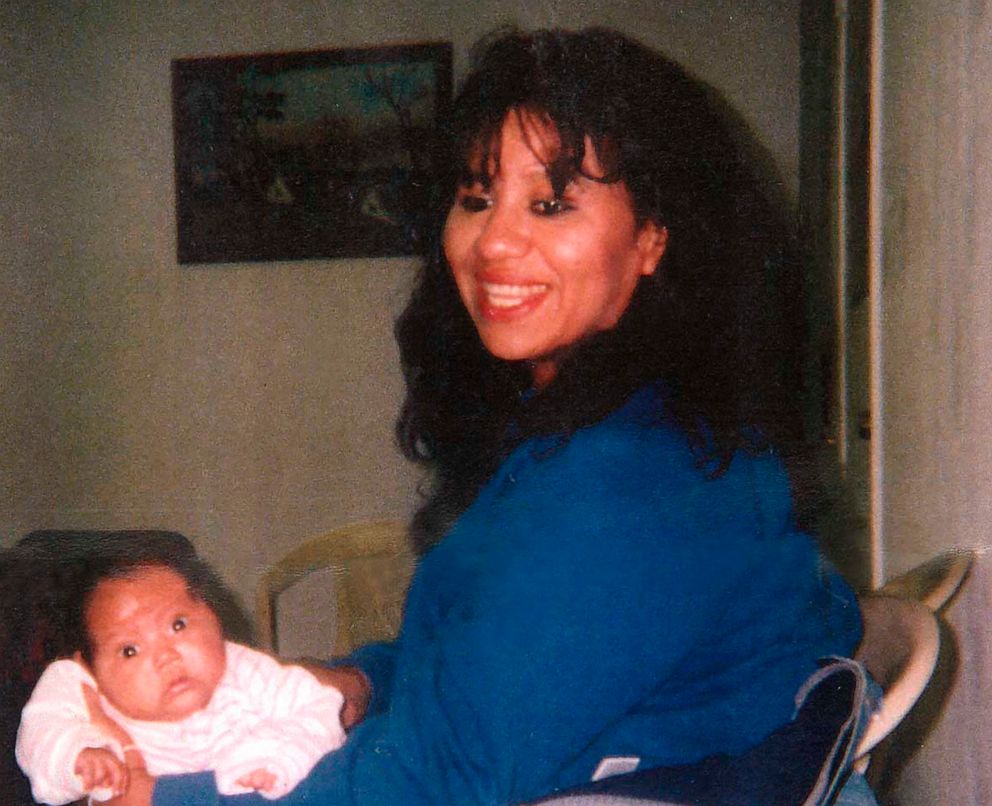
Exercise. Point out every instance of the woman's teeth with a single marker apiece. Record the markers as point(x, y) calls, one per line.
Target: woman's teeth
point(505, 295)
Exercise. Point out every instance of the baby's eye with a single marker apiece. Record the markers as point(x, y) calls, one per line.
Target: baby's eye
point(472, 203)
point(128, 651)
point(180, 624)
point(550, 207)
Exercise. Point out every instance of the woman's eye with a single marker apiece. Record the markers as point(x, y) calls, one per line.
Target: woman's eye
point(180, 624)
point(128, 651)
point(550, 207)
point(473, 204)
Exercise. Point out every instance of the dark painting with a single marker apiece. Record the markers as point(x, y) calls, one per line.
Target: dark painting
point(316, 154)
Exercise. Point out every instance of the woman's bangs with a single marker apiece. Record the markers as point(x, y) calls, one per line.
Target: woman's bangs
point(478, 153)
point(559, 146)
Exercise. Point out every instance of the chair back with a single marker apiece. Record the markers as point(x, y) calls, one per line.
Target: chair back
point(935, 582)
point(899, 649)
point(371, 563)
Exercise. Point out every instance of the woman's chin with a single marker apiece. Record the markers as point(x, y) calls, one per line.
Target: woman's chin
point(512, 349)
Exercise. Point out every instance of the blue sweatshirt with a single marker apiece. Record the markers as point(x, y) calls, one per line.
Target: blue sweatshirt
point(601, 597)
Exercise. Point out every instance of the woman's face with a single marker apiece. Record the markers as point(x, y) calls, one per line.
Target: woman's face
point(538, 273)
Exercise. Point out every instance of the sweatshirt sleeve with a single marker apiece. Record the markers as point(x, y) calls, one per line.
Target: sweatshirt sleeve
point(55, 727)
point(301, 723)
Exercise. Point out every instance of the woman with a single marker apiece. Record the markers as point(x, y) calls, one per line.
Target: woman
point(596, 370)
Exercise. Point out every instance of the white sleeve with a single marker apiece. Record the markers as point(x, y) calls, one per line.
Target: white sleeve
point(301, 724)
point(55, 727)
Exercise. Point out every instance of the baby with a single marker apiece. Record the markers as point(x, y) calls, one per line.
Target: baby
point(153, 654)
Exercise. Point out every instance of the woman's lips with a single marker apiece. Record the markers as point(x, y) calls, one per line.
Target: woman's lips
point(509, 300)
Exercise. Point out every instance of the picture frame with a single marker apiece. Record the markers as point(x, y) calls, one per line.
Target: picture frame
point(307, 154)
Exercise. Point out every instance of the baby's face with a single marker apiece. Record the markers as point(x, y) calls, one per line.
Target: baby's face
point(158, 652)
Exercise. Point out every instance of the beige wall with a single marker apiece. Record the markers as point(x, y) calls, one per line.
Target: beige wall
point(247, 405)
point(937, 353)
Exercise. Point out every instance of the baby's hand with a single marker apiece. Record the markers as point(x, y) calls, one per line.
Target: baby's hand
point(260, 780)
point(98, 767)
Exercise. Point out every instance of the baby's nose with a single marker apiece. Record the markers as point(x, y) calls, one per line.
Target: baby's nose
point(166, 655)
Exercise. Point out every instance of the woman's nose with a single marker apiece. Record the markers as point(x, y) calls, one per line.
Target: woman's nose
point(506, 233)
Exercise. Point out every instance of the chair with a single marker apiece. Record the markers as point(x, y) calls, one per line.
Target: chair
point(899, 649)
point(372, 565)
point(902, 637)
point(934, 582)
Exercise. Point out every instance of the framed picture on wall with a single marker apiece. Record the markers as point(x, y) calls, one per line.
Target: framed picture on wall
point(314, 154)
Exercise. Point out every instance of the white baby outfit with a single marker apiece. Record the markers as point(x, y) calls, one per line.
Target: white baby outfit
point(262, 715)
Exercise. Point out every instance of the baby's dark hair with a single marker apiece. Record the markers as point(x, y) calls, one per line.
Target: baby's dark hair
point(65, 568)
point(201, 582)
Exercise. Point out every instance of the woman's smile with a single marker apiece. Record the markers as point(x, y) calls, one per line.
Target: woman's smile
point(501, 300)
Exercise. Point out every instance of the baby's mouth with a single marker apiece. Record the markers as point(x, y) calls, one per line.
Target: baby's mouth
point(179, 686)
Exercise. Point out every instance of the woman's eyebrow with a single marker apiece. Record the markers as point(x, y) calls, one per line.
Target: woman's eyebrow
point(470, 178)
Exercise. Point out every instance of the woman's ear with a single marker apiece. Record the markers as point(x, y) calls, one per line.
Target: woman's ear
point(651, 243)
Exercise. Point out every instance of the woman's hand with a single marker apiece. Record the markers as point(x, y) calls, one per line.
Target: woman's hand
point(140, 788)
point(261, 780)
point(99, 768)
point(140, 785)
point(353, 685)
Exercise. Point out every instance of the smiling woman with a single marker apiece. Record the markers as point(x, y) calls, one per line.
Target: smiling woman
point(598, 222)
point(599, 374)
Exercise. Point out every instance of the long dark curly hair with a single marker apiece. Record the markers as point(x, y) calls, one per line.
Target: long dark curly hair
point(719, 323)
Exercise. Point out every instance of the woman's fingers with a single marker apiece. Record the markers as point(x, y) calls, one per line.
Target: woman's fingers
point(113, 777)
point(119, 778)
point(139, 791)
point(261, 779)
point(353, 685)
point(99, 768)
